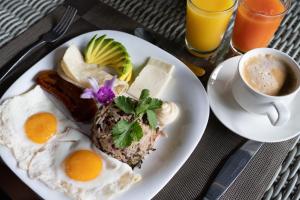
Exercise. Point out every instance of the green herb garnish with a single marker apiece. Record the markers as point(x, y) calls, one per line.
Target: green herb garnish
point(125, 132)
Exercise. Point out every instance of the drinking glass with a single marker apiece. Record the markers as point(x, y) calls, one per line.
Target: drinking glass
point(256, 23)
point(206, 23)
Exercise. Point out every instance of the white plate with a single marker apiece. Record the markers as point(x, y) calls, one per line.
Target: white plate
point(249, 125)
point(183, 136)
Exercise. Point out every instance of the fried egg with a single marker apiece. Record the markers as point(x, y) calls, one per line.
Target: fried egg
point(28, 121)
point(73, 165)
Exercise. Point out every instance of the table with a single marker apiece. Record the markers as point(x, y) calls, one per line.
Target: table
point(167, 19)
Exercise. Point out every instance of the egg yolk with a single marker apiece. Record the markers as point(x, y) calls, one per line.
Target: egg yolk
point(40, 127)
point(83, 165)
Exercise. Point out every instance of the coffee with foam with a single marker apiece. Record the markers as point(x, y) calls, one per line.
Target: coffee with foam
point(269, 74)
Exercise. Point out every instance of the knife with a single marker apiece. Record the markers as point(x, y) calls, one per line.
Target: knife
point(171, 47)
point(232, 168)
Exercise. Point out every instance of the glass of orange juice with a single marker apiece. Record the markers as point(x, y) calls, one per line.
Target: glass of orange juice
point(206, 23)
point(256, 23)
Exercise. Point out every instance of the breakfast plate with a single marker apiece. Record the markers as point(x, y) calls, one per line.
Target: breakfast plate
point(160, 166)
point(228, 111)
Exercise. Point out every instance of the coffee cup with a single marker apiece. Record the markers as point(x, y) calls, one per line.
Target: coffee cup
point(265, 83)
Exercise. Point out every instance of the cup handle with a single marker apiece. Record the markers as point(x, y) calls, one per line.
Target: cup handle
point(281, 114)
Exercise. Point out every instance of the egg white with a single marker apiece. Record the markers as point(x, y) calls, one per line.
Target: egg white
point(13, 114)
point(48, 166)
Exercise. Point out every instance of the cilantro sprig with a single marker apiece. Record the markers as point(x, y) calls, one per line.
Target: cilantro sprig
point(125, 132)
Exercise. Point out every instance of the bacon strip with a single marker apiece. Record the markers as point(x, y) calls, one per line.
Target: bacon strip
point(82, 110)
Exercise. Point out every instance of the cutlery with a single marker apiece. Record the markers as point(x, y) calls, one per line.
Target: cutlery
point(150, 37)
point(52, 36)
point(232, 168)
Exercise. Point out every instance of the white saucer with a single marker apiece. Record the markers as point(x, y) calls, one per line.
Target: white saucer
point(248, 125)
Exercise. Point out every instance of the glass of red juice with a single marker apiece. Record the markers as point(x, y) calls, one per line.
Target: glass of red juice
point(256, 23)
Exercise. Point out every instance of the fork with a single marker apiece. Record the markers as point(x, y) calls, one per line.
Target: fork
point(52, 36)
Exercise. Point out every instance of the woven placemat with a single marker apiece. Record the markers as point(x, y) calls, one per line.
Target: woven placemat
point(167, 18)
point(16, 16)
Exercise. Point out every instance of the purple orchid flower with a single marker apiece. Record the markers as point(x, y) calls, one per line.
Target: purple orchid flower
point(104, 94)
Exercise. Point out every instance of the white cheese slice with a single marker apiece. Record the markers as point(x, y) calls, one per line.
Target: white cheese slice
point(154, 77)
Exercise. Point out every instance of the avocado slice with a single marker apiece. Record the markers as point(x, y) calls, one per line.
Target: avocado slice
point(89, 48)
point(99, 42)
point(108, 52)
